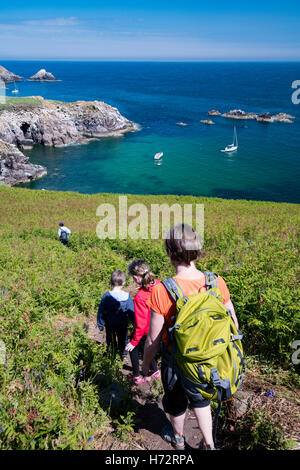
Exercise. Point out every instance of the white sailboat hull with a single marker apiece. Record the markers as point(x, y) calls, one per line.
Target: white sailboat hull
point(158, 156)
point(230, 149)
point(234, 146)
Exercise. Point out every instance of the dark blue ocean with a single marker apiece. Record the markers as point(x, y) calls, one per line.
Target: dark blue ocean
point(157, 96)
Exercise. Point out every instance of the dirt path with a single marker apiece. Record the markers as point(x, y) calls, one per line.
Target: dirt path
point(150, 415)
point(283, 407)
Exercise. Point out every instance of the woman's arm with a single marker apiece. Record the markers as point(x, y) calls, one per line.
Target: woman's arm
point(153, 340)
point(229, 306)
point(141, 314)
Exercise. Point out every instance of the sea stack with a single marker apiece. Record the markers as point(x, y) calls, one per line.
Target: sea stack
point(43, 76)
point(7, 76)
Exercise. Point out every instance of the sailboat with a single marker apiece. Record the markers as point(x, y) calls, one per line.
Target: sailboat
point(234, 146)
point(158, 156)
point(15, 90)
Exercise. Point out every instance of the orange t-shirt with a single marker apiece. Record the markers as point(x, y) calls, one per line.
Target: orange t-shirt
point(162, 303)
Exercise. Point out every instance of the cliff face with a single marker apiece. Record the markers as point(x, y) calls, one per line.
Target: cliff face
point(15, 167)
point(33, 120)
point(56, 123)
point(7, 76)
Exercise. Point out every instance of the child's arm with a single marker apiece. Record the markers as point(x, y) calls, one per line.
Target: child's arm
point(101, 314)
point(130, 309)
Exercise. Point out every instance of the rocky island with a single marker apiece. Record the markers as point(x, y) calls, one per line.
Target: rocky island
point(43, 76)
point(7, 76)
point(207, 121)
point(25, 122)
point(265, 117)
point(214, 112)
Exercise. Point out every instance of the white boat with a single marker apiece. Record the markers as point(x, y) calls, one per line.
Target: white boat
point(15, 90)
point(158, 156)
point(234, 146)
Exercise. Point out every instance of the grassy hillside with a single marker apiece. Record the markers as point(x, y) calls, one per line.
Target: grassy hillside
point(47, 291)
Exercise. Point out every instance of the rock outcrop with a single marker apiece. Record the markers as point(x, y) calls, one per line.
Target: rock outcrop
point(15, 167)
point(7, 76)
point(54, 123)
point(207, 121)
point(265, 117)
point(214, 112)
point(43, 76)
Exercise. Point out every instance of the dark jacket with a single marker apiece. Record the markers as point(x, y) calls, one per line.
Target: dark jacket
point(115, 309)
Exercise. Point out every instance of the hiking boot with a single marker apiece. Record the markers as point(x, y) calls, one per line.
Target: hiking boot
point(168, 435)
point(155, 376)
point(204, 446)
point(137, 380)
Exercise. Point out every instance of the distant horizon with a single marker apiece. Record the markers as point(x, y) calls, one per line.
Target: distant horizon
point(131, 31)
point(80, 59)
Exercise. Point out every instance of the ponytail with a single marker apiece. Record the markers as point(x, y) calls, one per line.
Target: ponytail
point(139, 267)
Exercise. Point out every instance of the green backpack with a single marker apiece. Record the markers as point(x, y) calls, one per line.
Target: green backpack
point(207, 351)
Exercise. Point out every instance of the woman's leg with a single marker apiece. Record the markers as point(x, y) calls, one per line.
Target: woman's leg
point(177, 424)
point(154, 366)
point(204, 420)
point(134, 356)
point(174, 402)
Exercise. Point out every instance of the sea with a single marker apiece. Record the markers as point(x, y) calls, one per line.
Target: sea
point(158, 96)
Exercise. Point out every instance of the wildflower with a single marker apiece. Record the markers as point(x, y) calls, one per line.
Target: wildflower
point(2, 427)
point(270, 393)
point(44, 366)
point(90, 439)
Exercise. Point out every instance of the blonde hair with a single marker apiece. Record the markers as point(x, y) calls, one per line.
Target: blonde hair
point(139, 267)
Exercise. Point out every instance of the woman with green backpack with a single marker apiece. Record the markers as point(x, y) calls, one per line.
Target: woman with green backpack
point(184, 248)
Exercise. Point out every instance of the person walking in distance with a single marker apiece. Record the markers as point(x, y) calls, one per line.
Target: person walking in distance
point(63, 234)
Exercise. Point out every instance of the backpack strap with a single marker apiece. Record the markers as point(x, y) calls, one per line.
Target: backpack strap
point(211, 280)
point(174, 289)
point(176, 292)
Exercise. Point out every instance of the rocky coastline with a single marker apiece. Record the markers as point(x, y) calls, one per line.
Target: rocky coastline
point(6, 76)
point(16, 168)
point(51, 123)
point(265, 117)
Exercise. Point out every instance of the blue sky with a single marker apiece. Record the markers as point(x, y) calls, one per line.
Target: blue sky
point(150, 30)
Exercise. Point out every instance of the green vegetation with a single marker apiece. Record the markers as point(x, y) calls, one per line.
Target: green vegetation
point(56, 380)
point(24, 102)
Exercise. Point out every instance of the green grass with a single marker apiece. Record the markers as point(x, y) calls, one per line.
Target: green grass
point(253, 245)
point(13, 103)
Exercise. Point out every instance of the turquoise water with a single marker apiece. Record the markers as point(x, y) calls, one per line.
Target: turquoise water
point(157, 96)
